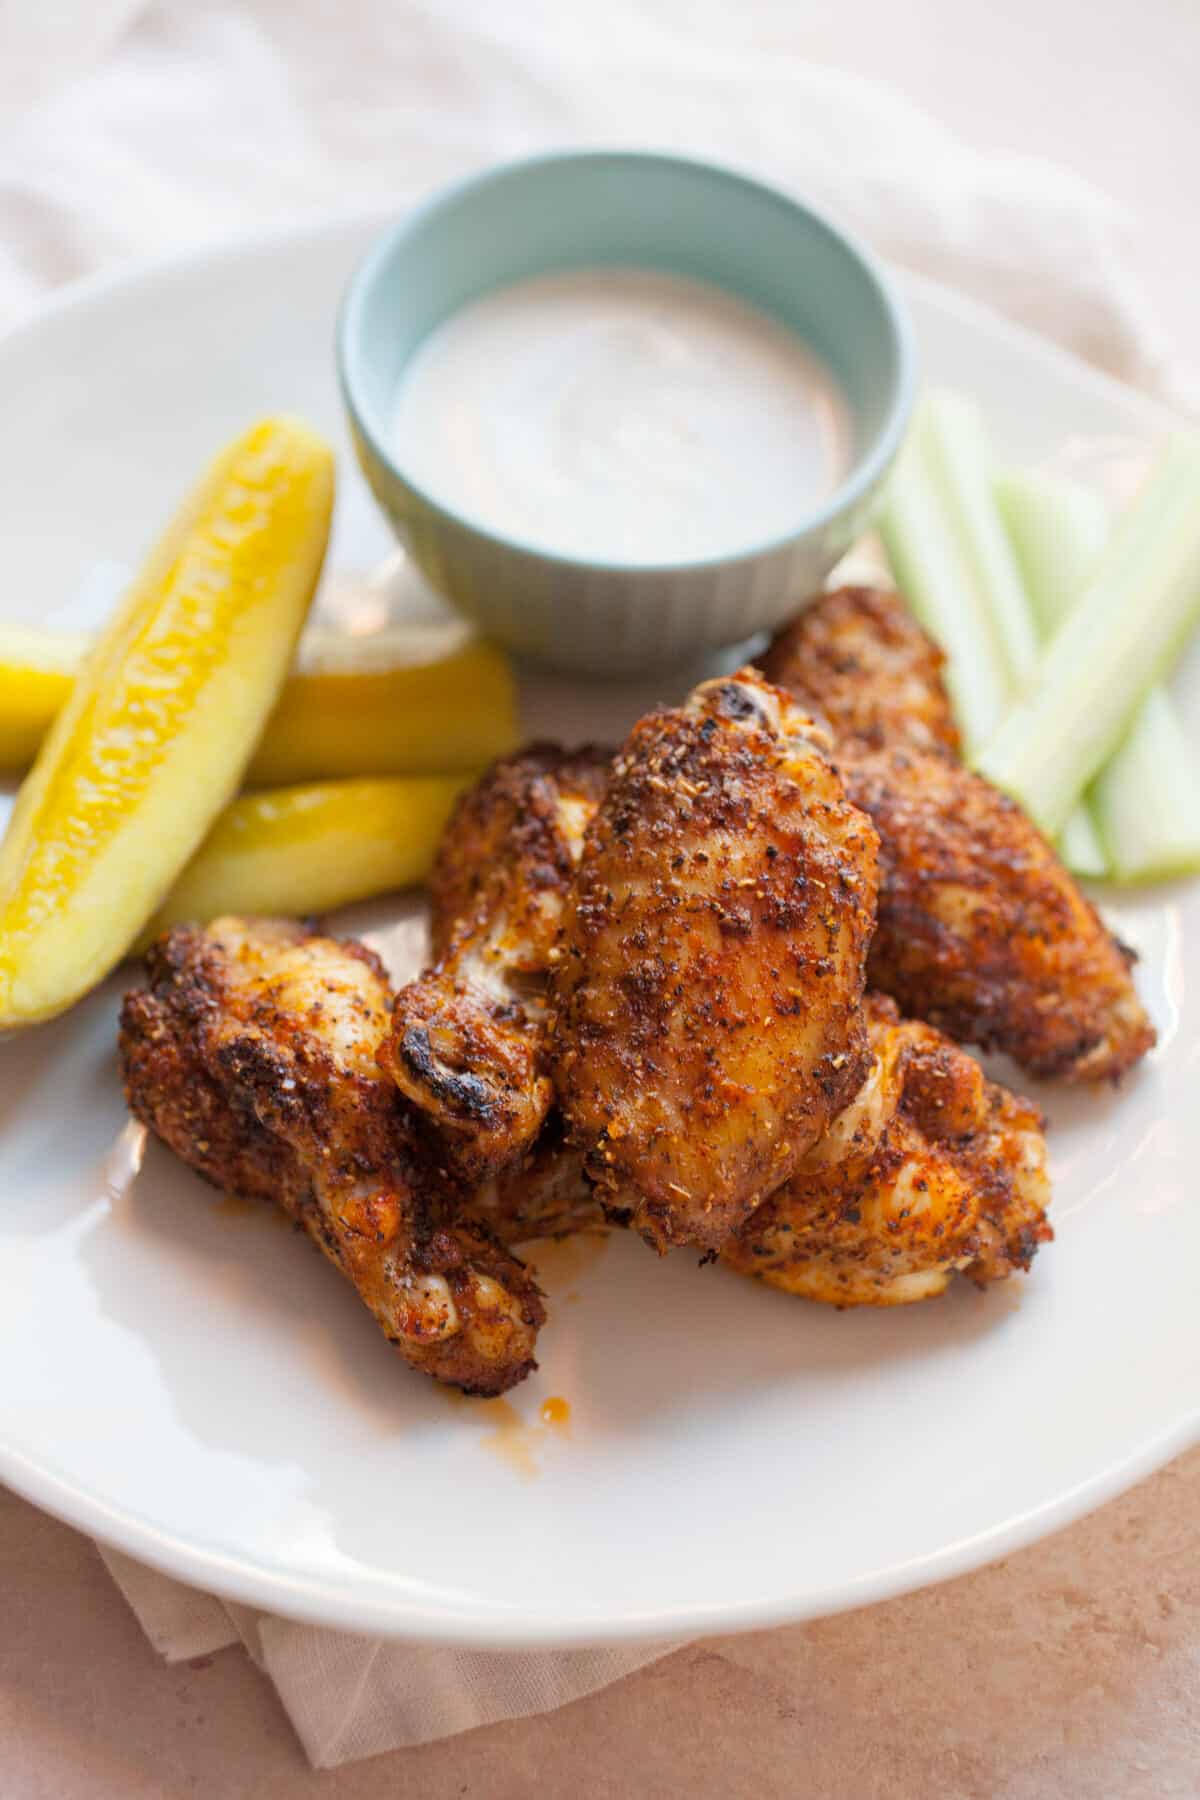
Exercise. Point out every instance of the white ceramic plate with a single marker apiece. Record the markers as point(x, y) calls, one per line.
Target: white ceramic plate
point(193, 1384)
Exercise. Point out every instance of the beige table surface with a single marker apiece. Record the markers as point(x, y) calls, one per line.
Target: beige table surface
point(1071, 1670)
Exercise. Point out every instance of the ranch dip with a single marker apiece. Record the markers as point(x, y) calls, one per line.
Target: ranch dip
point(621, 415)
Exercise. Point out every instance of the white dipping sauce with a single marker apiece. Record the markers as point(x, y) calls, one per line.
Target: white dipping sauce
point(621, 415)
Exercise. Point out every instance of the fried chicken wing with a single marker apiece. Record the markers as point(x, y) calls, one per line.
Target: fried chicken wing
point(708, 985)
point(466, 1043)
point(931, 1169)
point(252, 1054)
point(981, 930)
point(858, 659)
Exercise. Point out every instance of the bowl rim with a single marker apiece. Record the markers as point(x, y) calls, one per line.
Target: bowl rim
point(866, 470)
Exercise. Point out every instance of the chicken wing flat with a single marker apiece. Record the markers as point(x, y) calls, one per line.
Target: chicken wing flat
point(858, 659)
point(981, 930)
point(252, 1053)
point(708, 985)
point(931, 1169)
point(467, 1039)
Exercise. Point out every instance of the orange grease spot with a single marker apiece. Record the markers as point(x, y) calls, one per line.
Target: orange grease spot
point(512, 1439)
point(556, 1413)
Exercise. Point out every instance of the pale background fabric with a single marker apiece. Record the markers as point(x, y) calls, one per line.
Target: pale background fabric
point(126, 129)
point(129, 129)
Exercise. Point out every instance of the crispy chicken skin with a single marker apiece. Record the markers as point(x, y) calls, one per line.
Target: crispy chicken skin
point(931, 1168)
point(466, 1043)
point(708, 986)
point(251, 1053)
point(858, 659)
point(981, 931)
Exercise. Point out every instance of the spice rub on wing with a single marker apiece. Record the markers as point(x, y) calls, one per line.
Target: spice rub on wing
point(251, 1051)
point(709, 982)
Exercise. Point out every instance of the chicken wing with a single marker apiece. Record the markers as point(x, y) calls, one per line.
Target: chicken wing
point(858, 659)
point(856, 1225)
point(466, 1043)
point(932, 1168)
point(252, 1054)
point(708, 985)
point(984, 933)
point(981, 930)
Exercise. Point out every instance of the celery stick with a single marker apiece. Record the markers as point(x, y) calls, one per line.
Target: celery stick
point(929, 568)
point(986, 620)
point(1080, 845)
point(961, 458)
point(959, 455)
point(1120, 639)
point(1058, 529)
point(1146, 800)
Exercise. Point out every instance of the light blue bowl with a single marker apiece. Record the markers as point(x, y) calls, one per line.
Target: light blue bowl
point(659, 212)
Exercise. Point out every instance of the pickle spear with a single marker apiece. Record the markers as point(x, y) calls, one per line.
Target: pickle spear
point(37, 672)
point(409, 700)
point(302, 850)
point(163, 719)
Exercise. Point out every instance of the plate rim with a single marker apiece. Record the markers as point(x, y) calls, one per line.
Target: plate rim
point(325, 1602)
point(322, 1604)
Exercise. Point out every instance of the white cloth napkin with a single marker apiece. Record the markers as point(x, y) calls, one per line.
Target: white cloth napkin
point(127, 128)
point(350, 1696)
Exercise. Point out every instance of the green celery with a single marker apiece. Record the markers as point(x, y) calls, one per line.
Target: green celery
point(1147, 799)
point(931, 571)
point(953, 558)
point(961, 460)
point(1117, 642)
point(1057, 530)
point(961, 457)
point(1081, 846)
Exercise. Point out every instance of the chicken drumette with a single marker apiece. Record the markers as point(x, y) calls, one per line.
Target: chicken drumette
point(467, 1039)
point(252, 1054)
point(708, 985)
point(981, 931)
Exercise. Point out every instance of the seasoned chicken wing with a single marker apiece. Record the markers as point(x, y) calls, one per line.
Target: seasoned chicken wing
point(931, 1168)
point(466, 1043)
point(709, 981)
point(855, 1225)
point(981, 930)
point(252, 1053)
point(858, 659)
